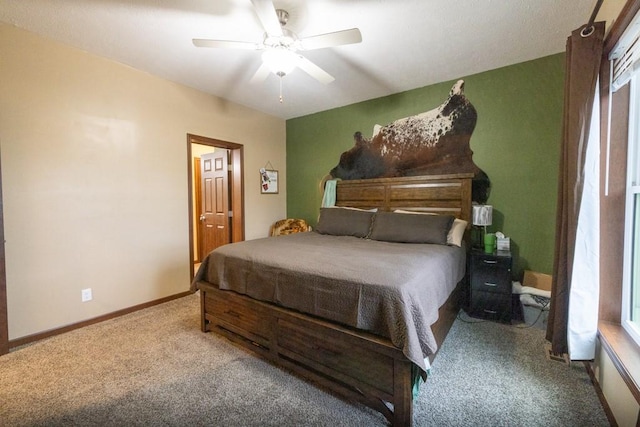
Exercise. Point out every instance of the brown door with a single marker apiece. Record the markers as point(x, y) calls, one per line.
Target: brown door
point(214, 216)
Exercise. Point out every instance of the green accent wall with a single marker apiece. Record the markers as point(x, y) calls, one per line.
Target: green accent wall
point(516, 142)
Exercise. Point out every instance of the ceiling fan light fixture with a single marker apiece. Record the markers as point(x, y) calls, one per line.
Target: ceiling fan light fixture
point(287, 40)
point(280, 46)
point(280, 61)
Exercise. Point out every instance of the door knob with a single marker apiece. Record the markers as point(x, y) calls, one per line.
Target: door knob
point(202, 217)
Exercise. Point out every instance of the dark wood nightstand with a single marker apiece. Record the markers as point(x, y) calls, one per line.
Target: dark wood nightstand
point(490, 279)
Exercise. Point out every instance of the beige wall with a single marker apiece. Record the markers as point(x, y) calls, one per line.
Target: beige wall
point(94, 176)
point(623, 405)
point(609, 11)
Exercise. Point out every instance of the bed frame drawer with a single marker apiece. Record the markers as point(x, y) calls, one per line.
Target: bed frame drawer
point(231, 313)
point(326, 351)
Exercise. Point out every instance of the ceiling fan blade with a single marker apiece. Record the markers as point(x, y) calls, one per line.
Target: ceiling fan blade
point(314, 71)
point(225, 44)
point(267, 14)
point(332, 39)
point(260, 75)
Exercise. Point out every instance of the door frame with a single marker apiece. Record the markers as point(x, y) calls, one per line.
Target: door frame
point(236, 189)
point(4, 318)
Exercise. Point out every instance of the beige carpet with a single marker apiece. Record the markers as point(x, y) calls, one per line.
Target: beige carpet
point(155, 367)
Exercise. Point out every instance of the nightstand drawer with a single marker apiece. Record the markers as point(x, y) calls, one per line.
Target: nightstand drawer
point(491, 261)
point(491, 306)
point(491, 279)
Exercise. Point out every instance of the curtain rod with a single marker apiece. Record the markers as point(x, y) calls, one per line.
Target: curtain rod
point(589, 28)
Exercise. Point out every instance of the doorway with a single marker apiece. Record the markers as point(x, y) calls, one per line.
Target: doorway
point(216, 215)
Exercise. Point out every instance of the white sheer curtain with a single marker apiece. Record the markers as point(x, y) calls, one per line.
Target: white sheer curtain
point(585, 283)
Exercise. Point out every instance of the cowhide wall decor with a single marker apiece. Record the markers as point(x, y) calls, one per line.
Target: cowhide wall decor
point(431, 143)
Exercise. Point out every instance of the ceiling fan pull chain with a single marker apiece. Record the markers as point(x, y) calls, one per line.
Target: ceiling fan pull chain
point(281, 75)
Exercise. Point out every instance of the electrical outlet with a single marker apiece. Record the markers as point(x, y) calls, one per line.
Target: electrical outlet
point(86, 295)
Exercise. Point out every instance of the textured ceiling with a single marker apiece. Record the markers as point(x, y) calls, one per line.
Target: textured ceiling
point(406, 44)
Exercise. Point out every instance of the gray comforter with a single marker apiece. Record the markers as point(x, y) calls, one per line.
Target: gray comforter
point(391, 289)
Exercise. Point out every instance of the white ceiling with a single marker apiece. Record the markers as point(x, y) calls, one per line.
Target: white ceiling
point(406, 43)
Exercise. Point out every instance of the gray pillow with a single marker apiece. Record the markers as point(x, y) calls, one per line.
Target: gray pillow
point(344, 222)
point(402, 228)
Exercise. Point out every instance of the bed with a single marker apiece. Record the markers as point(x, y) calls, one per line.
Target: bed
point(268, 295)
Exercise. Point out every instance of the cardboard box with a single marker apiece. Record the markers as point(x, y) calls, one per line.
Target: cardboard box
point(537, 280)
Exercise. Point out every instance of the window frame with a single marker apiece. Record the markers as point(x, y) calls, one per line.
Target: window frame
point(632, 190)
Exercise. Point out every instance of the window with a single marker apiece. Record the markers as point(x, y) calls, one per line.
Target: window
point(625, 69)
point(631, 275)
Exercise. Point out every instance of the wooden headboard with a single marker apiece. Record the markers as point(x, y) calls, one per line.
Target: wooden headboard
point(441, 194)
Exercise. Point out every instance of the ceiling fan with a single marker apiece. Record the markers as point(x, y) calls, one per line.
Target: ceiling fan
point(280, 46)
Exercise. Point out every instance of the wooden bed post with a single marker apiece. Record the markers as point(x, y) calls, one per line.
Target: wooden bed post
point(403, 393)
point(204, 324)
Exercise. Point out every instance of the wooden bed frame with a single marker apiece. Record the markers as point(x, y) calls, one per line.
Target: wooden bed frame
point(357, 365)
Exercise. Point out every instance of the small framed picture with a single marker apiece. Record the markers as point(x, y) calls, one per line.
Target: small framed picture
point(268, 181)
